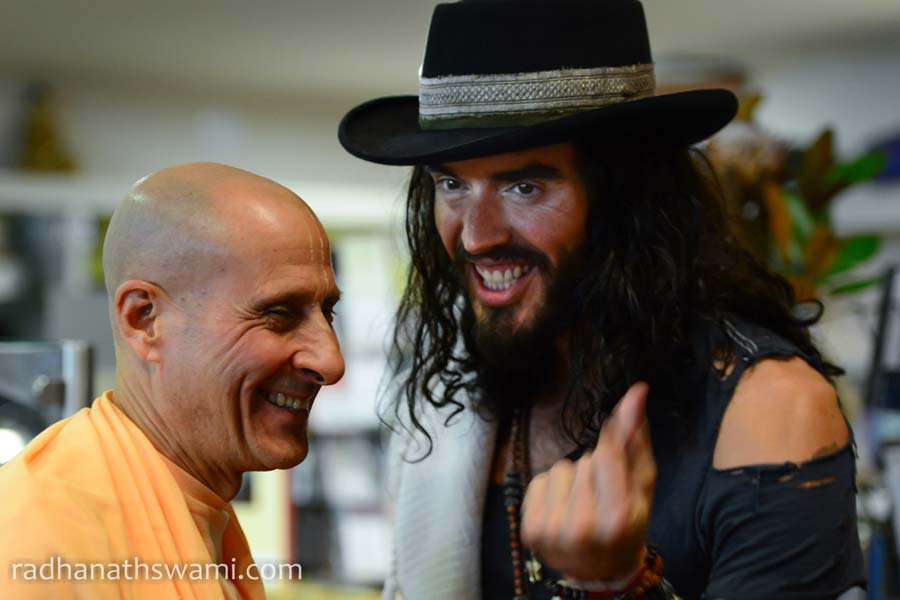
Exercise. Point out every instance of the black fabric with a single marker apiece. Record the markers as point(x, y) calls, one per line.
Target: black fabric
point(781, 530)
point(386, 130)
point(519, 36)
point(766, 531)
point(496, 563)
point(469, 38)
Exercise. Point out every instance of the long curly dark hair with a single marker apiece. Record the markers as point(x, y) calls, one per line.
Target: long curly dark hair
point(660, 261)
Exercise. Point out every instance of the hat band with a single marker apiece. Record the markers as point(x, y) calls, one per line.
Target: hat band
point(518, 99)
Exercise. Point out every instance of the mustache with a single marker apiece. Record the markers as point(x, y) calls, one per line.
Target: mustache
point(524, 252)
point(302, 389)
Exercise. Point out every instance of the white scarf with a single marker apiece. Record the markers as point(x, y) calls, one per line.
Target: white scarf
point(438, 510)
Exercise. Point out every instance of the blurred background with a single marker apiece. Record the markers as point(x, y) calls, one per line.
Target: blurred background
point(96, 94)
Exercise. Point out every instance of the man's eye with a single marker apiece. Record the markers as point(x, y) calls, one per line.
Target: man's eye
point(525, 189)
point(449, 185)
point(329, 313)
point(278, 313)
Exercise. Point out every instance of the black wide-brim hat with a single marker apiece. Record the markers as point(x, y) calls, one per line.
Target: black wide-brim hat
point(505, 75)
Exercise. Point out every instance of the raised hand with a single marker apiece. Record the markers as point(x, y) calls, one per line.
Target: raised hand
point(588, 520)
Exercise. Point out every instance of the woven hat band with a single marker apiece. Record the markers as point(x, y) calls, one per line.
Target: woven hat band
point(519, 99)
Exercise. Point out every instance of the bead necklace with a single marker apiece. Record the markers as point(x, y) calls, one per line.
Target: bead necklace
point(515, 482)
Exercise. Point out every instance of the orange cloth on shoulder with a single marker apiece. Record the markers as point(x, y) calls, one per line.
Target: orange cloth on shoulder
point(92, 489)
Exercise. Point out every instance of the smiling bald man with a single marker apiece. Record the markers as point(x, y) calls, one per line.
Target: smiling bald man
point(221, 295)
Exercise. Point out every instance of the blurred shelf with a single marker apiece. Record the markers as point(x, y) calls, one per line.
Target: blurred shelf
point(339, 205)
point(362, 508)
point(872, 207)
point(315, 590)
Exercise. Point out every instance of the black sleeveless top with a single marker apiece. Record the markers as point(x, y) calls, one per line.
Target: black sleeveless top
point(761, 531)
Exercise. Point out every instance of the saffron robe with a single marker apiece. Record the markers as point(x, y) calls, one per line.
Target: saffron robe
point(93, 490)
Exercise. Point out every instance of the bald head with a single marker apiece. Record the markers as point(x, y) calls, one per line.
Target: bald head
point(221, 298)
point(180, 223)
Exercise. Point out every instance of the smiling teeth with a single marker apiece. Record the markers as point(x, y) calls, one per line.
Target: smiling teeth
point(286, 401)
point(501, 279)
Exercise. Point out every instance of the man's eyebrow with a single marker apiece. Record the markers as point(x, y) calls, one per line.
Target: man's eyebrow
point(440, 170)
point(534, 171)
point(332, 297)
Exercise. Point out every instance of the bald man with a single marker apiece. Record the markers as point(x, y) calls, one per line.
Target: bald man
point(221, 295)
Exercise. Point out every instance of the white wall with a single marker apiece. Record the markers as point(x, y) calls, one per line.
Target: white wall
point(856, 91)
point(132, 128)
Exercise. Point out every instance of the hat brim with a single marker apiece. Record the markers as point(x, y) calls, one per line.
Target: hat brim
point(386, 130)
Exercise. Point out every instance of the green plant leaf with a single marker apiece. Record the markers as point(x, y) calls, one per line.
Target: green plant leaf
point(817, 161)
point(855, 286)
point(861, 169)
point(779, 217)
point(853, 251)
point(823, 218)
point(820, 252)
point(802, 221)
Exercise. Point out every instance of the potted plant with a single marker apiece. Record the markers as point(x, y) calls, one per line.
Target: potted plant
point(780, 199)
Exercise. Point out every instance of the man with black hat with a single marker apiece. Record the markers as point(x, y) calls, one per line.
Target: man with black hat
point(577, 310)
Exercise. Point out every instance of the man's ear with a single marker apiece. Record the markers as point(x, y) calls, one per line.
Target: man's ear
point(137, 309)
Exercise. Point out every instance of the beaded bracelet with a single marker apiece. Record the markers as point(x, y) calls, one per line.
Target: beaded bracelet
point(646, 579)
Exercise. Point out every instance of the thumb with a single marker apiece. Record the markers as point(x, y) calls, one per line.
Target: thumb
point(631, 412)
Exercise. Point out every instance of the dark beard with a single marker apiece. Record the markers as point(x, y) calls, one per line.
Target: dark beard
point(514, 367)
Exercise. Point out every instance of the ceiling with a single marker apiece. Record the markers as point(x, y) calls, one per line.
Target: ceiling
point(363, 47)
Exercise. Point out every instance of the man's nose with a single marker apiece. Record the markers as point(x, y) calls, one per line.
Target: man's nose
point(319, 358)
point(484, 224)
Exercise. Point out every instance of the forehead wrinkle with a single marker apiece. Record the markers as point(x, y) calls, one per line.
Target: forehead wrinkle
point(311, 285)
point(287, 234)
point(278, 260)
